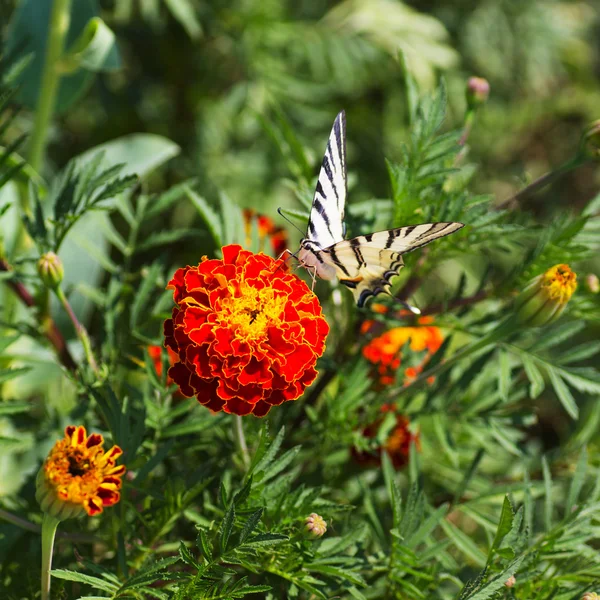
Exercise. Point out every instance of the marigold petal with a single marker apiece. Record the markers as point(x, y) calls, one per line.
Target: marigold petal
point(237, 406)
point(261, 408)
point(180, 374)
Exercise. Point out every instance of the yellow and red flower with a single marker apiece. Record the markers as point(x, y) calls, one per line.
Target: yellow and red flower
point(397, 444)
point(247, 332)
point(277, 236)
point(384, 351)
point(79, 476)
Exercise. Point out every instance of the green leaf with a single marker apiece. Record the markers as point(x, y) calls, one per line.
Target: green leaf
point(266, 539)
point(141, 153)
point(504, 526)
point(534, 375)
point(6, 374)
point(581, 352)
point(497, 583)
point(563, 393)
point(250, 525)
point(204, 545)
point(169, 236)
point(270, 453)
point(144, 294)
point(556, 335)
point(548, 501)
point(393, 491)
point(11, 408)
point(185, 14)
point(577, 483)
point(441, 430)
point(227, 527)
point(94, 50)
point(504, 376)
point(464, 543)
point(281, 463)
point(186, 556)
point(208, 214)
point(96, 582)
point(427, 527)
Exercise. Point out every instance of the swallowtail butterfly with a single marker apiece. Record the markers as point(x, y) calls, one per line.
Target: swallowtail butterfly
point(364, 264)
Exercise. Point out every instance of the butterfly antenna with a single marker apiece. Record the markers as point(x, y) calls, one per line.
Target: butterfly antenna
point(413, 309)
point(290, 222)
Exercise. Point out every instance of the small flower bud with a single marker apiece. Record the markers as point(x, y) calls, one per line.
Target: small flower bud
point(50, 269)
point(546, 296)
point(592, 283)
point(315, 525)
point(478, 90)
point(590, 596)
point(590, 140)
point(510, 582)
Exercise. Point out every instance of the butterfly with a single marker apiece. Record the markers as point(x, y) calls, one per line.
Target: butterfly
point(364, 264)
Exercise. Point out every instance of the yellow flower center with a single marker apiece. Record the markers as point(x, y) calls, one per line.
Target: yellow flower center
point(250, 311)
point(559, 283)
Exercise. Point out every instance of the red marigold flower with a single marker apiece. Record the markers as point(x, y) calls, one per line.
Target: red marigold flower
point(79, 476)
point(397, 444)
point(384, 350)
point(247, 332)
point(266, 230)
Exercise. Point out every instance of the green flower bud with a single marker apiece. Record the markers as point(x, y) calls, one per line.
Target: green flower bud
point(50, 269)
point(546, 296)
point(590, 596)
point(315, 525)
point(478, 90)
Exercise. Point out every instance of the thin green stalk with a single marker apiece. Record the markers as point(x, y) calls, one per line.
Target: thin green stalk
point(80, 330)
point(49, 525)
point(46, 102)
point(240, 440)
point(574, 163)
point(59, 26)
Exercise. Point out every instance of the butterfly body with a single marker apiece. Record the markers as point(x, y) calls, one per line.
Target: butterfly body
point(364, 264)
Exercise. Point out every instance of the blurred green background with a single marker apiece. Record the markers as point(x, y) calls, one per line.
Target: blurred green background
point(205, 74)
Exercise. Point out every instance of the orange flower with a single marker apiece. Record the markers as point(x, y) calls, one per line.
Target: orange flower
point(266, 229)
point(384, 350)
point(247, 332)
point(79, 476)
point(397, 444)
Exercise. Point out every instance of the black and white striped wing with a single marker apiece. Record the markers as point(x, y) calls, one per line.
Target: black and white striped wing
point(326, 221)
point(367, 263)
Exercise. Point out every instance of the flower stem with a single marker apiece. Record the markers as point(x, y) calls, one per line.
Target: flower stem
point(49, 525)
point(59, 26)
point(48, 326)
point(468, 125)
point(574, 163)
point(240, 440)
point(81, 331)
